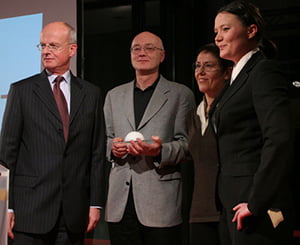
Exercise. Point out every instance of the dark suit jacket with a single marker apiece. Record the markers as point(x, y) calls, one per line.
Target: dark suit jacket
point(48, 174)
point(254, 133)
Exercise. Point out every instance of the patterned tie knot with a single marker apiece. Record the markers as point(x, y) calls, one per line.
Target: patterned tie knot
point(58, 79)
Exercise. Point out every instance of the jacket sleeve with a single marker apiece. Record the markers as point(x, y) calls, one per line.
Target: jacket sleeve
point(11, 134)
point(175, 151)
point(271, 103)
point(98, 156)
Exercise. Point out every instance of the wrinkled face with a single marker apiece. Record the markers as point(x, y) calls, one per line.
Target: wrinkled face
point(209, 74)
point(57, 59)
point(146, 53)
point(232, 37)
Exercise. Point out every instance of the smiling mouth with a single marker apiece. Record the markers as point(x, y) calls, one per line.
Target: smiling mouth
point(222, 47)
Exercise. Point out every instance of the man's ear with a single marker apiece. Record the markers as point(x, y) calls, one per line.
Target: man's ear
point(163, 55)
point(73, 49)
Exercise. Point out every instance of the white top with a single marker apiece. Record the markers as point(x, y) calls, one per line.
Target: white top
point(202, 115)
point(242, 62)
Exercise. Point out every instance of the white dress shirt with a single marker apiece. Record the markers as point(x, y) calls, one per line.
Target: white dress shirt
point(242, 62)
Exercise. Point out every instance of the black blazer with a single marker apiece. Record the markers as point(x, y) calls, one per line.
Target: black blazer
point(253, 127)
point(47, 174)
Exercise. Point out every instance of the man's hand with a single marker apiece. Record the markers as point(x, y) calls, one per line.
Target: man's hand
point(94, 217)
point(11, 224)
point(119, 148)
point(241, 212)
point(140, 147)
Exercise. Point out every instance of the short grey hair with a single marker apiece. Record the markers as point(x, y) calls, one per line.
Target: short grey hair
point(72, 33)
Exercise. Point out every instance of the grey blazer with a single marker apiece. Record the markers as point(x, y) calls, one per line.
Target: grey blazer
point(156, 185)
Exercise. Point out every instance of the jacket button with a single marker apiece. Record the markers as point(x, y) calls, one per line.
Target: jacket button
point(127, 183)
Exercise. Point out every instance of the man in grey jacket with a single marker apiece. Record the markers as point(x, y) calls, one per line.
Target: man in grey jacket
point(144, 196)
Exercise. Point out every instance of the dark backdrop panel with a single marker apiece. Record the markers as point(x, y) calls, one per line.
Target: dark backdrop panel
point(110, 25)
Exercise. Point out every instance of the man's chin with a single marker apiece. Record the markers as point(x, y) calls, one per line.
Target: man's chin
point(48, 66)
point(50, 69)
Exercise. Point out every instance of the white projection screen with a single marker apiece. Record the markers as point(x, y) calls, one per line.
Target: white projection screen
point(20, 25)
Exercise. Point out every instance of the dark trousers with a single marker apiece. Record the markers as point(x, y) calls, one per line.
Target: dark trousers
point(59, 235)
point(256, 230)
point(206, 233)
point(129, 231)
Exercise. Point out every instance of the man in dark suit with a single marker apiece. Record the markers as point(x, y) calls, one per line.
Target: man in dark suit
point(55, 165)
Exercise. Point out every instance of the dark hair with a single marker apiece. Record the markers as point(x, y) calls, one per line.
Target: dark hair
point(213, 49)
point(249, 14)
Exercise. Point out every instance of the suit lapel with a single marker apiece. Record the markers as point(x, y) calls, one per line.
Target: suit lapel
point(240, 79)
point(77, 97)
point(156, 102)
point(129, 102)
point(44, 92)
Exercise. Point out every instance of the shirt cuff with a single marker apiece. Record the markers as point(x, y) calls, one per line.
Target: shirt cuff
point(96, 207)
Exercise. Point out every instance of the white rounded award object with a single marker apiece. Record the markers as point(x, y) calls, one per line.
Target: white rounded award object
point(134, 135)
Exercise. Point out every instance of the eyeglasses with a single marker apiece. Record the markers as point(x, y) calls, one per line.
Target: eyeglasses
point(51, 46)
point(148, 48)
point(205, 67)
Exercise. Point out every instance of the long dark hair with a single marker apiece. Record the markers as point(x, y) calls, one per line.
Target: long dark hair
point(249, 14)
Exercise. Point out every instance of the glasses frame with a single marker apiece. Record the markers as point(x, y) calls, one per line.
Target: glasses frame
point(51, 47)
point(148, 48)
point(205, 67)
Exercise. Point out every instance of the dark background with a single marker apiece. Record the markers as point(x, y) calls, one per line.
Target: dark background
point(108, 26)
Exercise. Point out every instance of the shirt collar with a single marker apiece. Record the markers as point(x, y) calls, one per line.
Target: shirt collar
point(153, 86)
point(66, 76)
point(241, 63)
